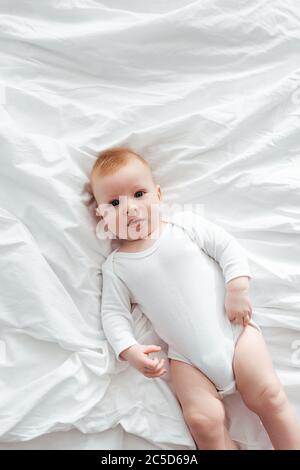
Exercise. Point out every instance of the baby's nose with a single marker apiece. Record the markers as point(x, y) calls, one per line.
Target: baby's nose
point(131, 204)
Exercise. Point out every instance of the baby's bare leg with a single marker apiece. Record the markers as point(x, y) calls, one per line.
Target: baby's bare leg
point(261, 390)
point(202, 407)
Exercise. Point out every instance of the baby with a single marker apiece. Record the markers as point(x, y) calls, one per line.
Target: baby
point(191, 279)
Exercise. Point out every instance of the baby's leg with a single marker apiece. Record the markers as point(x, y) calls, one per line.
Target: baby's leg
point(202, 407)
point(261, 390)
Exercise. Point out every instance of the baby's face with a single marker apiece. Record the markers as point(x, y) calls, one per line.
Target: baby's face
point(128, 200)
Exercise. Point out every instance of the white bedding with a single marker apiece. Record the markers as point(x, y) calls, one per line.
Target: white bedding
point(208, 92)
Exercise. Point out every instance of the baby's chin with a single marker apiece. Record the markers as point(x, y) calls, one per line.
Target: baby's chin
point(138, 235)
point(132, 238)
point(136, 231)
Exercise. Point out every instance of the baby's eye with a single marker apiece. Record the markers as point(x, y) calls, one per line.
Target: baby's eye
point(115, 202)
point(139, 193)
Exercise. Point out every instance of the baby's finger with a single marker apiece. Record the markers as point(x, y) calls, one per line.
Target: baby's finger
point(152, 363)
point(157, 367)
point(160, 363)
point(155, 374)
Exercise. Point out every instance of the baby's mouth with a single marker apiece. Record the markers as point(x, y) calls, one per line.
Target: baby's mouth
point(135, 221)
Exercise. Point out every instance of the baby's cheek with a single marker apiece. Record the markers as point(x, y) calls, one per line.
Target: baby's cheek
point(119, 228)
point(112, 228)
point(109, 223)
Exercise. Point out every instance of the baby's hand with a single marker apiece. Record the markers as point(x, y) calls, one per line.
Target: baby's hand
point(238, 306)
point(137, 356)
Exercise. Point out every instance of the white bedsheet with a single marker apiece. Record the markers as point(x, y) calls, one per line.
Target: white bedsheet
point(208, 92)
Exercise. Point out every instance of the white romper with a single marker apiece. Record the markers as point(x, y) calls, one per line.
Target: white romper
point(179, 284)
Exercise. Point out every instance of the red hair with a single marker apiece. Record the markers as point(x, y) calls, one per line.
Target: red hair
point(114, 158)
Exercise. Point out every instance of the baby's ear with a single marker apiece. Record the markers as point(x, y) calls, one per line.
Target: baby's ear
point(98, 213)
point(89, 201)
point(89, 198)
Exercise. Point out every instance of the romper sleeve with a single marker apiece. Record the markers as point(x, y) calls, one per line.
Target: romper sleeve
point(117, 321)
point(215, 241)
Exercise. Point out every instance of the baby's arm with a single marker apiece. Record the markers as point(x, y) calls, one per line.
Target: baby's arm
point(224, 248)
point(117, 324)
point(116, 313)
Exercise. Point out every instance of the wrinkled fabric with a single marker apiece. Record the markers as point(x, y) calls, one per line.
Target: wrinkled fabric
point(208, 92)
